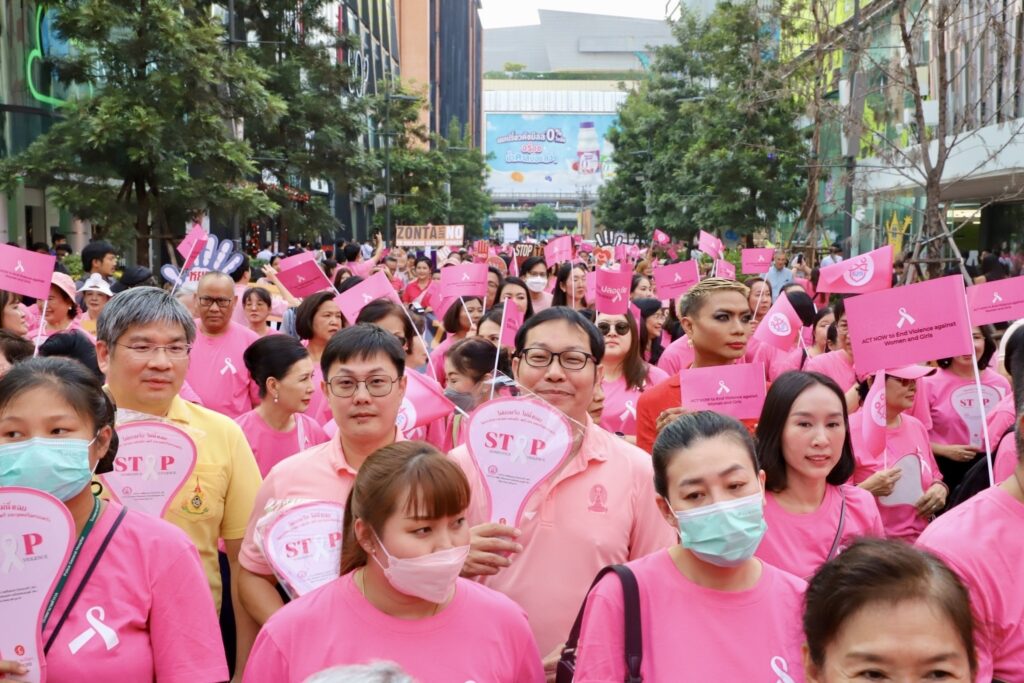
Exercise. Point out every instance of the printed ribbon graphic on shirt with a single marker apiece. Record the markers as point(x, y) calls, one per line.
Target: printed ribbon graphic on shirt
point(95, 617)
point(228, 365)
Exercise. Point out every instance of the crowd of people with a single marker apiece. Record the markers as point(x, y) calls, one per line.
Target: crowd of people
point(763, 549)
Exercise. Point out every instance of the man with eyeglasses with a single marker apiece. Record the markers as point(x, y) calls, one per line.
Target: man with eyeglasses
point(217, 371)
point(144, 338)
point(364, 381)
point(597, 509)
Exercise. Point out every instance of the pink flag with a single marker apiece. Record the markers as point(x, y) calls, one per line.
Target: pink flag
point(586, 247)
point(868, 272)
point(725, 269)
point(996, 302)
point(911, 324)
point(736, 390)
point(756, 260)
point(875, 417)
point(351, 301)
point(511, 321)
point(591, 286)
point(304, 278)
point(660, 237)
point(513, 266)
point(672, 253)
point(621, 253)
point(465, 280)
point(675, 280)
point(780, 326)
point(424, 402)
point(296, 259)
point(710, 245)
point(192, 245)
point(25, 272)
point(638, 318)
point(612, 292)
point(558, 250)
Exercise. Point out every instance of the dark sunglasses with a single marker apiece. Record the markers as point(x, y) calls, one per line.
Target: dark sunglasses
point(621, 328)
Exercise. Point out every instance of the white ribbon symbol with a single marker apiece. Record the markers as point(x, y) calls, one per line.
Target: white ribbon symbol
point(319, 547)
point(618, 296)
point(630, 411)
point(95, 616)
point(11, 559)
point(148, 467)
point(722, 388)
point(299, 279)
point(19, 268)
point(904, 318)
point(465, 276)
point(679, 278)
point(781, 669)
point(996, 298)
point(519, 446)
point(228, 365)
point(760, 258)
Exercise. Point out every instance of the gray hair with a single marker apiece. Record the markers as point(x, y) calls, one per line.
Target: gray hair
point(377, 672)
point(142, 306)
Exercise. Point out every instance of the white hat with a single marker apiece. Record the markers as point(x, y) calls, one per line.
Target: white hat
point(96, 283)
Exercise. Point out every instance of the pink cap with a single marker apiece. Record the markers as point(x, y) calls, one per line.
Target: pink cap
point(911, 371)
point(64, 283)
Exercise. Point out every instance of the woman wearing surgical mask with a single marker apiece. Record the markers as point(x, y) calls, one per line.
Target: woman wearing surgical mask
point(135, 605)
point(626, 374)
point(469, 366)
point(708, 593)
point(803, 444)
point(399, 597)
point(535, 275)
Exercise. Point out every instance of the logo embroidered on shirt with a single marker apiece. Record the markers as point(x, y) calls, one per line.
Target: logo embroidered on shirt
point(598, 498)
point(196, 505)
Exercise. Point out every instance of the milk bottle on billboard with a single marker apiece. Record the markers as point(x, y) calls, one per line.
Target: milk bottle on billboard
point(588, 151)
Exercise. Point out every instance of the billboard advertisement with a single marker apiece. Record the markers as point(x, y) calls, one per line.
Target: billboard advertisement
point(548, 153)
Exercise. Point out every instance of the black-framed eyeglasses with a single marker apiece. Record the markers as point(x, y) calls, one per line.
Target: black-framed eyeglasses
point(376, 385)
point(208, 301)
point(569, 360)
point(146, 351)
point(621, 328)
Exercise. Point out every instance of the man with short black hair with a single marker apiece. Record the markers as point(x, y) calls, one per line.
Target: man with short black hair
point(99, 256)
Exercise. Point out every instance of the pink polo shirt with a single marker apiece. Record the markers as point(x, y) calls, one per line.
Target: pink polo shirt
point(598, 510)
point(146, 613)
point(479, 636)
point(692, 633)
point(677, 356)
point(619, 414)
point(317, 473)
point(834, 364)
point(799, 543)
point(217, 372)
point(952, 403)
point(271, 446)
point(909, 437)
point(976, 539)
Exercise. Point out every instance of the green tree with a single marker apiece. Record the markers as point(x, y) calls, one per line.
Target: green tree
point(542, 218)
point(471, 204)
point(155, 138)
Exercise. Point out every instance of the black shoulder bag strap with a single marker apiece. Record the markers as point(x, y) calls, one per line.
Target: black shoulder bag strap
point(633, 635)
point(85, 580)
point(842, 524)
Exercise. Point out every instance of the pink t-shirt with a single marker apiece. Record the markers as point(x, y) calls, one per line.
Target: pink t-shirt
point(271, 446)
point(677, 356)
point(952, 402)
point(799, 543)
point(542, 301)
point(976, 539)
point(692, 633)
point(1005, 459)
point(437, 359)
point(479, 636)
point(619, 414)
point(1001, 418)
point(146, 613)
point(598, 510)
point(74, 326)
point(319, 409)
point(834, 364)
point(217, 372)
point(910, 437)
point(776, 361)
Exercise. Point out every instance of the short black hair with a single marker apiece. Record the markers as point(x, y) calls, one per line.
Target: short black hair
point(272, 356)
point(306, 311)
point(258, 292)
point(570, 316)
point(360, 342)
point(14, 347)
point(689, 429)
point(96, 250)
point(75, 345)
point(350, 252)
point(530, 262)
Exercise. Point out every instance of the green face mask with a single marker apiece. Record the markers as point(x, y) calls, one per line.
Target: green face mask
point(59, 467)
point(724, 534)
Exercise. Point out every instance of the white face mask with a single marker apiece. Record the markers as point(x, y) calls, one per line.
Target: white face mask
point(536, 283)
point(430, 577)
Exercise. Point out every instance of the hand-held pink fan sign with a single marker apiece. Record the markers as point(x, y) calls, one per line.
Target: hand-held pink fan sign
point(154, 461)
point(303, 545)
point(36, 535)
point(516, 444)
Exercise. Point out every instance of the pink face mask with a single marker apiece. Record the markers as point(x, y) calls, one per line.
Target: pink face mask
point(430, 577)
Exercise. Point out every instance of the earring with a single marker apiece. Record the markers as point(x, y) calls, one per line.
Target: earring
point(275, 398)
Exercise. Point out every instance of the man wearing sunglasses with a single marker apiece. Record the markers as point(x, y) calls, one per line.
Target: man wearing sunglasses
point(364, 382)
point(597, 509)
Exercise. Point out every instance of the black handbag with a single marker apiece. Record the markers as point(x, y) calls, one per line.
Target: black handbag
point(634, 638)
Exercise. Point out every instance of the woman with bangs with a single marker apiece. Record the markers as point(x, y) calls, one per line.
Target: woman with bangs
point(626, 374)
point(399, 597)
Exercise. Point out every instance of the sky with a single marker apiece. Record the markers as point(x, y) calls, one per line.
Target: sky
point(498, 13)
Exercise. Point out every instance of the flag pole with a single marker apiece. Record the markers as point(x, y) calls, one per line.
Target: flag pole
point(42, 326)
point(497, 355)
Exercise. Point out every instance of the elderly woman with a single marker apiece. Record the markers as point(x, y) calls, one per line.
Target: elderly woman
point(95, 294)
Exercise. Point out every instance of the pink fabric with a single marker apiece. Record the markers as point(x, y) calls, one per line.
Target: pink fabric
point(1001, 418)
point(75, 326)
point(1005, 460)
point(542, 301)
point(952, 400)
point(973, 538)
point(189, 394)
point(752, 634)
point(619, 414)
point(270, 446)
point(776, 361)
point(319, 409)
point(834, 364)
point(677, 356)
point(598, 510)
point(900, 521)
point(217, 372)
point(149, 588)
point(799, 543)
point(479, 636)
point(437, 359)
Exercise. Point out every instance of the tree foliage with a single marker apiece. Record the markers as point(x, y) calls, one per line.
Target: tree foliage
point(542, 218)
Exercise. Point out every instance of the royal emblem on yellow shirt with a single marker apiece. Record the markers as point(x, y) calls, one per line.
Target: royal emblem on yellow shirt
point(196, 503)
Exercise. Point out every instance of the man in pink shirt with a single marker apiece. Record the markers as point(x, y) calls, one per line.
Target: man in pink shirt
point(217, 371)
point(598, 509)
point(364, 382)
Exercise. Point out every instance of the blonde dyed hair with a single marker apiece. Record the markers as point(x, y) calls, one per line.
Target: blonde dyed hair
point(698, 296)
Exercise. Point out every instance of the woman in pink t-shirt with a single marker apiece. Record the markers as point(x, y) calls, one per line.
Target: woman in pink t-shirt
point(256, 303)
point(277, 428)
point(61, 310)
point(399, 596)
point(804, 447)
point(886, 611)
point(625, 373)
point(316, 320)
point(838, 364)
point(653, 314)
point(135, 605)
point(759, 298)
point(709, 610)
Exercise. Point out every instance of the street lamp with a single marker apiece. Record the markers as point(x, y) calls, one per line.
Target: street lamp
point(388, 96)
